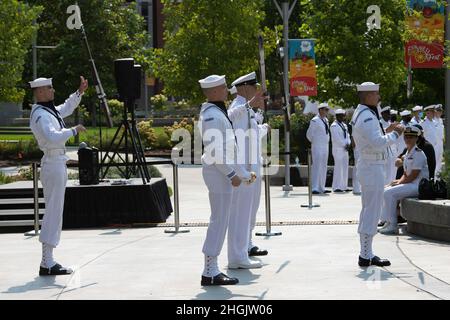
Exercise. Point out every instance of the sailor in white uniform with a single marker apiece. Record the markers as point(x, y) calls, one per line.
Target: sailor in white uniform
point(49, 129)
point(340, 140)
point(391, 169)
point(416, 115)
point(440, 137)
point(415, 169)
point(318, 134)
point(246, 198)
point(371, 142)
point(406, 119)
point(220, 173)
point(431, 133)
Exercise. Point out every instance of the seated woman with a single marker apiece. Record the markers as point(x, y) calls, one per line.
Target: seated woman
point(415, 169)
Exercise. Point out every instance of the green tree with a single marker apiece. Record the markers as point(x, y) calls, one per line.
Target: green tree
point(114, 29)
point(206, 37)
point(347, 53)
point(16, 33)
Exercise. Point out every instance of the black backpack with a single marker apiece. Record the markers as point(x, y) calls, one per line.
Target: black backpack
point(432, 189)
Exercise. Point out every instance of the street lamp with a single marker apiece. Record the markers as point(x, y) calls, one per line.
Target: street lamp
point(285, 11)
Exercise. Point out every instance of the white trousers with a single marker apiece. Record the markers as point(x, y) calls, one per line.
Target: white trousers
point(391, 170)
point(371, 176)
point(220, 193)
point(240, 223)
point(255, 204)
point(355, 182)
point(54, 180)
point(439, 151)
point(392, 195)
point(340, 172)
point(319, 168)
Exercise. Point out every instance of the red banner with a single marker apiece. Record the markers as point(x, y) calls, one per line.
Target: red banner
point(424, 55)
point(303, 86)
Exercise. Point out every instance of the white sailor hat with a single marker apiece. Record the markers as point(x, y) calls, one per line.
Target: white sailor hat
point(40, 82)
point(248, 79)
point(368, 86)
point(412, 131)
point(339, 111)
point(212, 81)
point(233, 90)
point(324, 105)
point(438, 107)
point(417, 108)
point(387, 108)
point(394, 112)
point(405, 113)
point(432, 107)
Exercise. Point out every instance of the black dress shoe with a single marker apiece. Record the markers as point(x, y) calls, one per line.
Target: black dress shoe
point(255, 251)
point(315, 192)
point(338, 191)
point(219, 280)
point(327, 191)
point(400, 219)
point(381, 223)
point(56, 270)
point(375, 261)
point(348, 190)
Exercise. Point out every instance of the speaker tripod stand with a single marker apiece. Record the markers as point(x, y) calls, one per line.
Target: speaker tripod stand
point(128, 135)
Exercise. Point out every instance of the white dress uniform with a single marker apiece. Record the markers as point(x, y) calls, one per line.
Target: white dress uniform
point(340, 139)
point(318, 134)
point(49, 130)
point(246, 198)
point(431, 133)
point(217, 134)
point(414, 160)
point(372, 143)
point(391, 169)
point(440, 132)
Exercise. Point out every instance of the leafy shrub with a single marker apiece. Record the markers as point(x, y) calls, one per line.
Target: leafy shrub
point(159, 102)
point(186, 124)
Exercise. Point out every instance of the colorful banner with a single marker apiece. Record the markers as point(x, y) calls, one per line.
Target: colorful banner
point(302, 68)
point(426, 22)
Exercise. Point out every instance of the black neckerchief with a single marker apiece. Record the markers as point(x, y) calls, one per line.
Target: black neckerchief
point(374, 110)
point(222, 107)
point(49, 106)
point(343, 129)
point(327, 129)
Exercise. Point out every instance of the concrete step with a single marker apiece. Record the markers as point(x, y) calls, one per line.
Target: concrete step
point(18, 223)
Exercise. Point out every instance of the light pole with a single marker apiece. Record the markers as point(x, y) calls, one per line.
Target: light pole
point(447, 80)
point(285, 11)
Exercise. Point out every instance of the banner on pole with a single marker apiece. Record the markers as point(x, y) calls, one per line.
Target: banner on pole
point(425, 21)
point(302, 68)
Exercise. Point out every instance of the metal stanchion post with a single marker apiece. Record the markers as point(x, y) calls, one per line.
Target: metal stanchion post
point(35, 232)
point(310, 204)
point(176, 202)
point(269, 232)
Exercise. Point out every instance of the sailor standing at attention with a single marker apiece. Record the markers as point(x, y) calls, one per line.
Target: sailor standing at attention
point(49, 129)
point(220, 173)
point(246, 198)
point(371, 142)
point(340, 139)
point(318, 134)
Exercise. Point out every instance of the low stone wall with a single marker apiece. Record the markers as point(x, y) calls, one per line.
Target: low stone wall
point(428, 218)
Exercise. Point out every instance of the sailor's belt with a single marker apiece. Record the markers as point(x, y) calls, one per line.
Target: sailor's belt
point(54, 152)
point(373, 156)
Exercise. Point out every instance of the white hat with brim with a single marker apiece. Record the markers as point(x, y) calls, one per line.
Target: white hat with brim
point(385, 109)
point(394, 112)
point(339, 111)
point(417, 108)
point(324, 105)
point(233, 90)
point(432, 107)
point(212, 81)
point(40, 82)
point(405, 113)
point(368, 87)
point(248, 79)
point(412, 131)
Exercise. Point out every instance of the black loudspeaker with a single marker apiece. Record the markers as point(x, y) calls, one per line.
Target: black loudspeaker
point(125, 79)
point(137, 76)
point(88, 167)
